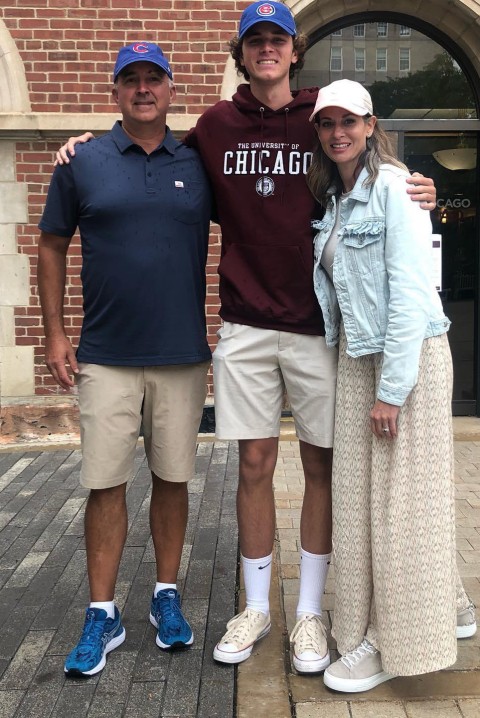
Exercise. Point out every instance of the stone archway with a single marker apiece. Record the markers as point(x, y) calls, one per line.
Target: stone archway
point(14, 95)
point(231, 80)
point(459, 21)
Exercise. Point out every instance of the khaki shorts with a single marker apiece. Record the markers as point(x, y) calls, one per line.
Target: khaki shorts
point(114, 401)
point(253, 367)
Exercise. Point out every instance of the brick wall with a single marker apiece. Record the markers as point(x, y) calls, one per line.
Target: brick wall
point(68, 49)
point(69, 46)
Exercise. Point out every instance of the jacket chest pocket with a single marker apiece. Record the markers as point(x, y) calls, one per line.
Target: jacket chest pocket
point(323, 229)
point(364, 246)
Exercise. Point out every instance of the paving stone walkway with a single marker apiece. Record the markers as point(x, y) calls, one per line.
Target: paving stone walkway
point(453, 693)
point(43, 593)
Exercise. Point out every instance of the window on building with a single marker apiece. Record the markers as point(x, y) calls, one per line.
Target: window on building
point(408, 63)
point(382, 29)
point(404, 59)
point(381, 59)
point(405, 30)
point(336, 63)
point(359, 30)
point(359, 59)
point(337, 33)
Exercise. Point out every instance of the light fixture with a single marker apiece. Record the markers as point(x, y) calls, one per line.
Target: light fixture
point(459, 158)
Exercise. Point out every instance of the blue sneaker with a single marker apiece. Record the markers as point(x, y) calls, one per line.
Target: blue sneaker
point(166, 615)
point(100, 636)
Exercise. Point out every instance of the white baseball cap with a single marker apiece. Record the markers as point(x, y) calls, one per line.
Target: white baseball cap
point(347, 94)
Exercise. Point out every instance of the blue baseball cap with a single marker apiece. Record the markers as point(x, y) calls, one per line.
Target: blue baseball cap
point(146, 51)
point(275, 12)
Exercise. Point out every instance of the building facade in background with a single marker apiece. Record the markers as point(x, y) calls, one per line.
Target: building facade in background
point(56, 59)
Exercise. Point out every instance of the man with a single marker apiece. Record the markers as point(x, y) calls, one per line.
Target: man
point(142, 203)
point(256, 150)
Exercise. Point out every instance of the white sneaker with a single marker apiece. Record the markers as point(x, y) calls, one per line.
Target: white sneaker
point(243, 631)
point(359, 670)
point(466, 622)
point(309, 644)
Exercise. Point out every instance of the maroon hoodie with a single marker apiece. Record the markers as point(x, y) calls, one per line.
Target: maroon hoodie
point(256, 159)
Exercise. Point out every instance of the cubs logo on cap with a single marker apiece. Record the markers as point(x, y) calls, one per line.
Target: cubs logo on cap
point(265, 9)
point(140, 47)
point(276, 12)
point(146, 51)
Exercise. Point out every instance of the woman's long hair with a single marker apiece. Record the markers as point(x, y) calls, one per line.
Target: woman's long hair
point(323, 172)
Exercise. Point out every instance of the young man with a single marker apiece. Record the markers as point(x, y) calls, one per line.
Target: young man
point(256, 150)
point(129, 193)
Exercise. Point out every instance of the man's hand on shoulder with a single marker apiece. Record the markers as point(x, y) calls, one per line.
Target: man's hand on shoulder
point(422, 189)
point(67, 150)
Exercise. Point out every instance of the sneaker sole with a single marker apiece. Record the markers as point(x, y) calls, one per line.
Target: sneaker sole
point(352, 685)
point(466, 631)
point(315, 666)
point(167, 646)
point(111, 645)
point(238, 656)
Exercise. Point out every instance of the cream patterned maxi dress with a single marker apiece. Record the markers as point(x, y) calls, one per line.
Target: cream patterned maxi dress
point(396, 580)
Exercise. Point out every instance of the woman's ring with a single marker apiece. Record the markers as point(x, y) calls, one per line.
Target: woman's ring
point(385, 429)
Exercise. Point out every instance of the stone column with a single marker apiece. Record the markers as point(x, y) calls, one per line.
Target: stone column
point(16, 362)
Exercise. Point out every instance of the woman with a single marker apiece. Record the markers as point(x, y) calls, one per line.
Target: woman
point(393, 506)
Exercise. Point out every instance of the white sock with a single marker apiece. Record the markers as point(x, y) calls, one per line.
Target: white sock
point(108, 606)
point(257, 573)
point(313, 576)
point(162, 587)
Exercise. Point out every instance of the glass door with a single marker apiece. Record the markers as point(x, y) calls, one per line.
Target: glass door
point(450, 159)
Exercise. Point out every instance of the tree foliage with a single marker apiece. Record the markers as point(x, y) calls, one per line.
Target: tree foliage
point(441, 84)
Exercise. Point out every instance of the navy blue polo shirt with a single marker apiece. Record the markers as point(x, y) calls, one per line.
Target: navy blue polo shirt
point(144, 225)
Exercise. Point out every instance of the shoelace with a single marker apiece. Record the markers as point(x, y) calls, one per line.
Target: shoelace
point(171, 614)
point(240, 627)
point(350, 659)
point(92, 634)
point(305, 634)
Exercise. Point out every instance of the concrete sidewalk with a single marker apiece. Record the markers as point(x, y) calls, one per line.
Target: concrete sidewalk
point(454, 693)
point(43, 592)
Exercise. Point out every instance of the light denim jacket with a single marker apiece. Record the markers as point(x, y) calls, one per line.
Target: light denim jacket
point(382, 272)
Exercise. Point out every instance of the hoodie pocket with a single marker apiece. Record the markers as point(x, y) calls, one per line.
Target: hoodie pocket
point(266, 282)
